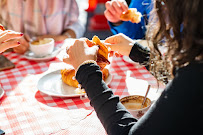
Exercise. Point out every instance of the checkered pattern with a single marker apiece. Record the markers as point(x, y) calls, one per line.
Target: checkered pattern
point(119, 67)
point(25, 110)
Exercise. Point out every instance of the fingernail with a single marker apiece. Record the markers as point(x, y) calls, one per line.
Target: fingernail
point(3, 42)
point(21, 34)
point(18, 42)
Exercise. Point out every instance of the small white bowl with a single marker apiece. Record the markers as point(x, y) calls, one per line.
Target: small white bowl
point(133, 104)
point(42, 47)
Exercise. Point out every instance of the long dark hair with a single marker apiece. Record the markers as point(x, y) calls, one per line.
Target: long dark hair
point(177, 25)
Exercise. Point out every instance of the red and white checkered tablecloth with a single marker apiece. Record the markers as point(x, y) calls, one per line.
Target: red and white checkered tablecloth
point(25, 110)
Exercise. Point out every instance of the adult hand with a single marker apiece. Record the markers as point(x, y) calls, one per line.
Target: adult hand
point(114, 9)
point(9, 39)
point(24, 41)
point(120, 43)
point(80, 52)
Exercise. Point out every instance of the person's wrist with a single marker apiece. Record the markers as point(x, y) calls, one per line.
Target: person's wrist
point(129, 48)
point(67, 35)
point(83, 63)
point(117, 23)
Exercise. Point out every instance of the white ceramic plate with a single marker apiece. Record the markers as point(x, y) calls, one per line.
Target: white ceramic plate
point(1, 92)
point(31, 56)
point(51, 84)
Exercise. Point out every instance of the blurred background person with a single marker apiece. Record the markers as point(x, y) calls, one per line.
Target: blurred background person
point(58, 19)
point(115, 8)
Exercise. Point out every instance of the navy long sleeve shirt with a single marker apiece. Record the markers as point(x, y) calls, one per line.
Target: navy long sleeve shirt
point(178, 110)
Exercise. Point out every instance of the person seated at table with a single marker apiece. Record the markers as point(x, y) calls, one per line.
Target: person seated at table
point(58, 19)
point(9, 39)
point(115, 8)
point(179, 109)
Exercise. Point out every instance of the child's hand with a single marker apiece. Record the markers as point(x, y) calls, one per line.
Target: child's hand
point(114, 9)
point(120, 43)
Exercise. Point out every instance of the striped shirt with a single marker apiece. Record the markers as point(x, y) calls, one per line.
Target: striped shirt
point(41, 17)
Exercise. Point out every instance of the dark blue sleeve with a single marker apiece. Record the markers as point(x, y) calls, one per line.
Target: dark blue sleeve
point(133, 30)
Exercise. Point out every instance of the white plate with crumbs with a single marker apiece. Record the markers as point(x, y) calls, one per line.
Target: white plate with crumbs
point(52, 84)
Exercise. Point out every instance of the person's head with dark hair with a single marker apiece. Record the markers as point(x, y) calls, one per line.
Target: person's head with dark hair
point(176, 24)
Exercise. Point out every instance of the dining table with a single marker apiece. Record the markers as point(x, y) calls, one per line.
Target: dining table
point(26, 110)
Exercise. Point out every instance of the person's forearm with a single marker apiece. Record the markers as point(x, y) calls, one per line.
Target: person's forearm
point(117, 23)
point(109, 110)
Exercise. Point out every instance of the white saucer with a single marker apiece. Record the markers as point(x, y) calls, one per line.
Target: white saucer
point(51, 84)
point(31, 56)
point(1, 92)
